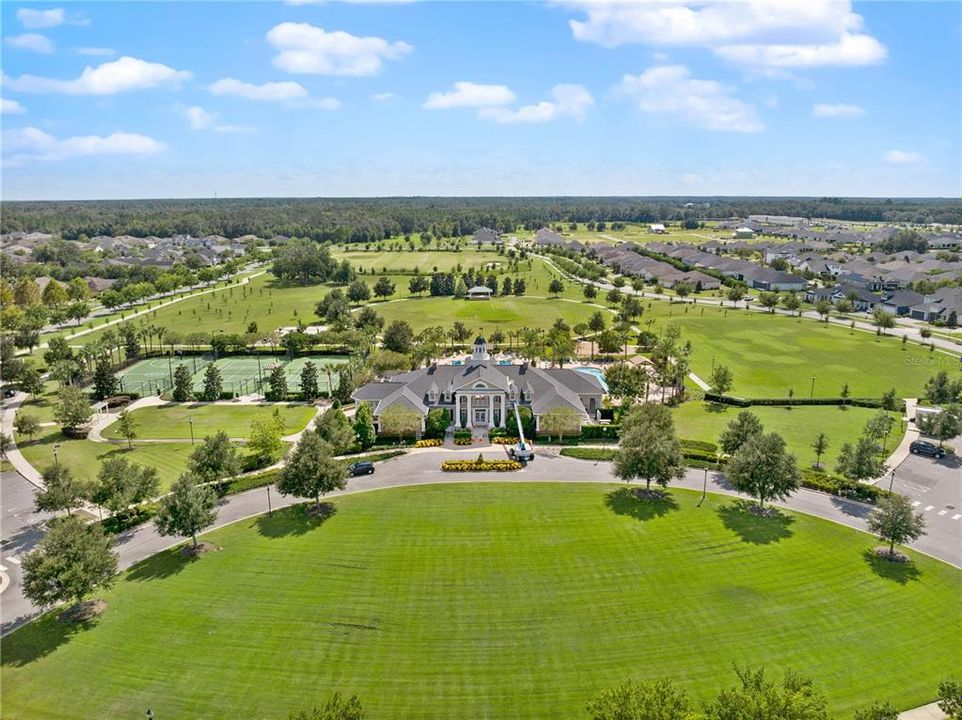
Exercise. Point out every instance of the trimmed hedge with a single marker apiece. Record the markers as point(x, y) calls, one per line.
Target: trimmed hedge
point(463, 440)
point(596, 454)
point(841, 487)
point(431, 442)
point(600, 432)
point(875, 403)
point(480, 465)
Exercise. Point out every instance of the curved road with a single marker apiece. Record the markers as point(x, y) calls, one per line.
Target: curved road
point(418, 467)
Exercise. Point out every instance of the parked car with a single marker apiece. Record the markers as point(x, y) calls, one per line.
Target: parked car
point(9, 393)
point(361, 468)
point(921, 447)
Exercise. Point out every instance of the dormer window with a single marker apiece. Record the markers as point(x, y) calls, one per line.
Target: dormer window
point(432, 396)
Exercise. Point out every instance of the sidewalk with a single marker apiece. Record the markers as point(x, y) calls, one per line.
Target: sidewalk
point(926, 712)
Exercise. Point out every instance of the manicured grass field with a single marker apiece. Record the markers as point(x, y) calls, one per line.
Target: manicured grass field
point(84, 457)
point(768, 354)
point(799, 426)
point(504, 313)
point(493, 600)
point(171, 421)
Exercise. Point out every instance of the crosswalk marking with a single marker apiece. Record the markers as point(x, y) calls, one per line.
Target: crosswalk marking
point(956, 516)
point(943, 512)
point(916, 503)
point(14, 560)
point(929, 507)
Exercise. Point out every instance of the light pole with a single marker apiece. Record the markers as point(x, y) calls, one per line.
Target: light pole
point(270, 513)
point(812, 393)
point(190, 421)
point(891, 480)
point(713, 363)
point(56, 460)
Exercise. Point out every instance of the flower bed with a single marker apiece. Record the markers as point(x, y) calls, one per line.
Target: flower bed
point(428, 443)
point(462, 440)
point(505, 440)
point(480, 465)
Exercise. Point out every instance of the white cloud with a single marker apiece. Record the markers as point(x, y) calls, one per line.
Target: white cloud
point(837, 110)
point(31, 18)
point(469, 94)
point(199, 118)
point(757, 33)
point(11, 107)
point(307, 49)
point(772, 102)
point(269, 91)
point(34, 42)
point(567, 101)
point(670, 90)
point(382, 97)
point(903, 157)
point(31, 144)
point(95, 51)
point(327, 103)
point(121, 75)
point(352, 2)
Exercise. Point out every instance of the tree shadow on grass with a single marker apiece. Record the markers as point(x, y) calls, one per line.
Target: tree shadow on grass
point(296, 520)
point(900, 572)
point(742, 518)
point(40, 638)
point(162, 565)
point(626, 501)
point(716, 408)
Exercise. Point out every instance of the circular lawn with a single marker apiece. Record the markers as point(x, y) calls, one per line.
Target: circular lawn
point(493, 600)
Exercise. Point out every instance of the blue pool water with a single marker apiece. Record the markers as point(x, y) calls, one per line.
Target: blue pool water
point(595, 372)
point(455, 362)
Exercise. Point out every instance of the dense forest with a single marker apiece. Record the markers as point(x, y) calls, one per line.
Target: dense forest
point(368, 219)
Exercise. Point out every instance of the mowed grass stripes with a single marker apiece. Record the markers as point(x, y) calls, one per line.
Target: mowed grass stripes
point(492, 601)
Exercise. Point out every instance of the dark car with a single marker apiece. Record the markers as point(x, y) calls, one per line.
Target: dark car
point(361, 468)
point(9, 392)
point(921, 447)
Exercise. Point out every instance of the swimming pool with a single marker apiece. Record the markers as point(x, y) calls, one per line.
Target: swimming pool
point(596, 372)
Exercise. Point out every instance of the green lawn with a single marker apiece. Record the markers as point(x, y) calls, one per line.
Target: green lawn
point(41, 406)
point(798, 425)
point(492, 600)
point(506, 313)
point(85, 456)
point(768, 354)
point(171, 421)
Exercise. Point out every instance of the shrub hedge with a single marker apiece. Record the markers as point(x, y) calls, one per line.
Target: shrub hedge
point(841, 487)
point(480, 465)
point(875, 403)
point(430, 442)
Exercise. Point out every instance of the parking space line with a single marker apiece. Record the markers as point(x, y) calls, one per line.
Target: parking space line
point(943, 512)
point(956, 516)
point(916, 503)
point(929, 507)
point(14, 560)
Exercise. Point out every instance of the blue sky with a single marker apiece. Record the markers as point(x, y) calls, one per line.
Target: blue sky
point(299, 98)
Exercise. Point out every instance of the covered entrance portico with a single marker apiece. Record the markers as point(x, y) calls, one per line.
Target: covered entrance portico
point(479, 408)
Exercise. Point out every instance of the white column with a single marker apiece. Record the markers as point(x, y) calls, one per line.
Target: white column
point(457, 411)
point(504, 409)
point(490, 411)
point(467, 414)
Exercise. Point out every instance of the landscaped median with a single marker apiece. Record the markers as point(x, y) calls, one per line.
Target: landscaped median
point(480, 465)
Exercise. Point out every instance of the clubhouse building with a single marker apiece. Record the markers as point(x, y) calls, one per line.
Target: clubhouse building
point(478, 393)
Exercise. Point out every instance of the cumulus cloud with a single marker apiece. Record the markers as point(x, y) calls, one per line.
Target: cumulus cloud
point(267, 92)
point(32, 19)
point(32, 144)
point(33, 42)
point(469, 94)
point(903, 157)
point(307, 49)
point(756, 33)
point(670, 90)
point(121, 75)
point(837, 110)
point(382, 97)
point(326, 103)
point(95, 51)
point(11, 107)
point(567, 101)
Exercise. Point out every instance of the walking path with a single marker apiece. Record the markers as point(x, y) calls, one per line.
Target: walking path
point(926, 712)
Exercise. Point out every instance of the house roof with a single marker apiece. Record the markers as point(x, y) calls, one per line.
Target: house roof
point(481, 289)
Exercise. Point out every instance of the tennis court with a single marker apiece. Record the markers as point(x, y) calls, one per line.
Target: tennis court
point(241, 374)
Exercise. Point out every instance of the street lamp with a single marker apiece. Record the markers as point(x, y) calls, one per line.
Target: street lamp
point(812, 393)
point(713, 363)
point(56, 460)
point(190, 421)
point(891, 480)
point(270, 513)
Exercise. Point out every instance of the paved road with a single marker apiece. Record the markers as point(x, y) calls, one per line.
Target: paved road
point(20, 529)
point(420, 467)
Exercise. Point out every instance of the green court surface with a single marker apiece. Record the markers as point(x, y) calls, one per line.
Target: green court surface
point(493, 600)
point(241, 374)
